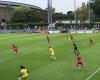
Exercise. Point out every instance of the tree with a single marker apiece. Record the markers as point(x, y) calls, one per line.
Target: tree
point(82, 13)
point(70, 16)
point(59, 16)
point(26, 15)
point(96, 9)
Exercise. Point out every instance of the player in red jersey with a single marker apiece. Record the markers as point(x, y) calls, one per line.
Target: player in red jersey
point(91, 42)
point(79, 62)
point(15, 49)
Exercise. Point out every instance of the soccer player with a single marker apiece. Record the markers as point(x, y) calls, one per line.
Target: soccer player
point(53, 57)
point(15, 49)
point(24, 73)
point(91, 42)
point(48, 38)
point(79, 62)
point(71, 38)
point(75, 49)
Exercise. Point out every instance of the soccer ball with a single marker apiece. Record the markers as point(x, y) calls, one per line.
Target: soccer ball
point(19, 78)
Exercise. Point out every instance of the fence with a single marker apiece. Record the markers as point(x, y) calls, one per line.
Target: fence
point(50, 31)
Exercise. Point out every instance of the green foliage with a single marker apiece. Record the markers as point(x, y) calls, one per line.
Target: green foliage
point(62, 25)
point(77, 26)
point(70, 15)
point(82, 13)
point(58, 16)
point(26, 15)
point(22, 25)
point(32, 25)
point(15, 26)
point(96, 9)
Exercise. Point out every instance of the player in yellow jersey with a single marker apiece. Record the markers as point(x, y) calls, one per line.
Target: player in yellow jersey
point(53, 57)
point(24, 73)
point(91, 42)
point(71, 38)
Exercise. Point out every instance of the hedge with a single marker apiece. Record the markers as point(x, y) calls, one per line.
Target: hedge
point(22, 26)
point(32, 25)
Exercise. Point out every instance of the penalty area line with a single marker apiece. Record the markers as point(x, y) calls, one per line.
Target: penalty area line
point(93, 74)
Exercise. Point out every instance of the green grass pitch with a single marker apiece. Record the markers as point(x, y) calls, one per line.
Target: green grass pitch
point(35, 56)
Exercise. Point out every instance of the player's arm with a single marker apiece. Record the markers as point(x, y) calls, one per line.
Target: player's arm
point(20, 75)
point(27, 71)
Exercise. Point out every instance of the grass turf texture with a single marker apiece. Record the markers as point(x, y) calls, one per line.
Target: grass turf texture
point(35, 56)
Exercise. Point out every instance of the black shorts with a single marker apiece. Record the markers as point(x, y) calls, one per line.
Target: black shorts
point(75, 49)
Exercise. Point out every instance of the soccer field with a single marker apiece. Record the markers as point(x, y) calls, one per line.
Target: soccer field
point(35, 56)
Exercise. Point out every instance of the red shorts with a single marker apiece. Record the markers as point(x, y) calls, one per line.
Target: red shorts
point(15, 50)
point(79, 63)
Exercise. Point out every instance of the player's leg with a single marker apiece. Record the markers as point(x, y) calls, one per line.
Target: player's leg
point(51, 57)
point(83, 66)
point(24, 78)
point(49, 44)
point(15, 52)
point(54, 57)
point(92, 43)
point(74, 52)
point(77, 52)
point(78, 65)
point(19, 78)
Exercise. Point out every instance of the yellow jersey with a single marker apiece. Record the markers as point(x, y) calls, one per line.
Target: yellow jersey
point(52, 51)
point(24, 73)
point(71, 38)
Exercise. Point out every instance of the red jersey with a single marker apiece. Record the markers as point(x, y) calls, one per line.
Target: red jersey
point(79, 59)
point(14, 48)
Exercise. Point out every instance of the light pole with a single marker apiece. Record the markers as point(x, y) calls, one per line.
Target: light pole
point(89, 12)
point(75, 11)
point(49, 11)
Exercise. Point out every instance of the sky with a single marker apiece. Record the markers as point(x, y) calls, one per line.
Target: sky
point(59, 5)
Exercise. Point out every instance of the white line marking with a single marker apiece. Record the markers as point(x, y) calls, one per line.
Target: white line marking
point(93, 74)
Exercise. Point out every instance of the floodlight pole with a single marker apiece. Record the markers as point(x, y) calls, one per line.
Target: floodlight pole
point(89, 13)
point(75, 17)
point(49, 11)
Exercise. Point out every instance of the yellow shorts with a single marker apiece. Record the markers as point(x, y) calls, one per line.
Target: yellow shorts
point(24, 77)
point(52, 54)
